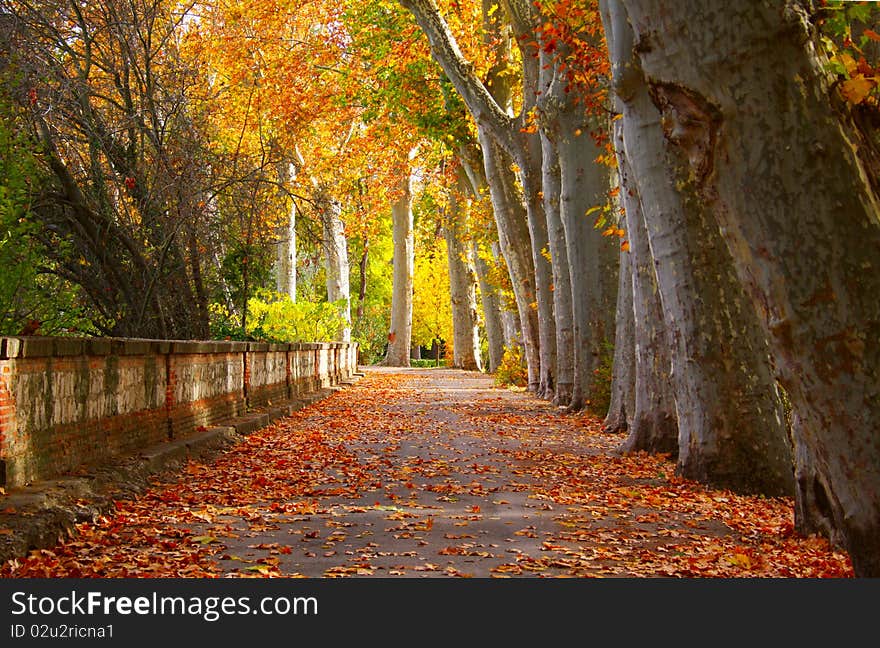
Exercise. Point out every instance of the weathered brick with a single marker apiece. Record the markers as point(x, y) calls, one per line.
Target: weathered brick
point(67, 404)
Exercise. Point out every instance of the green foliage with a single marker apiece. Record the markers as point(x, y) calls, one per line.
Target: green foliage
point(839, 16)
point(410, 86)
point(849, 35)
point(370, 330)
point(513, 370)
point(30, 295)
point(224, 325)
point(600, 388)
point(274, 317)
point(255, 259)
point(428, 363)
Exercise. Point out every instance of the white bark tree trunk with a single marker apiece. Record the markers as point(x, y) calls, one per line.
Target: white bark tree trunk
point(510, 322)
point(623, 379)
point(527, 150)
point(400, 335)
point(285, 248)
point(336, 261)
point(462, 288)
point(473, 183)
point(744, 99)
point(492, 318)
point(653, 426)
point(529, 161)
point(462, 283)
point(583, 185)
point(513, 239)
point(496, 126)
point(592, 259)
point(562, 291)
point(731, 429)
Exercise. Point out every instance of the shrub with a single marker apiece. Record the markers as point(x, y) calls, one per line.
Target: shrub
point(274, 317)
point(428, 363)
point(513, 370)
point(600, 388)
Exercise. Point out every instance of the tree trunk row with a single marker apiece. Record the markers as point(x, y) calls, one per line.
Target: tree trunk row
point(753, 241)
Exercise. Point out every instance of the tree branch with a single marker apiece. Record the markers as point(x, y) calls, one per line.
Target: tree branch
point(482, 106)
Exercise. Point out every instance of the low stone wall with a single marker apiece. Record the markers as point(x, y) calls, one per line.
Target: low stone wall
point(68, 403)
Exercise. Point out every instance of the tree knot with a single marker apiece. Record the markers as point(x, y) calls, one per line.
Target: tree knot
point(691, 123)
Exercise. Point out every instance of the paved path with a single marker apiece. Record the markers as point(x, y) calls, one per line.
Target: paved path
point(436, 473)
point(436, 490)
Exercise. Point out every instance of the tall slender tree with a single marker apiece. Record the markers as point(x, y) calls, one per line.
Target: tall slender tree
point(497, 128)
point(400, 333)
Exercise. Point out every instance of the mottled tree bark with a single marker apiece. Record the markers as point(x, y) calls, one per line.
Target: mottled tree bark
point(491, 302)
point(489, 295)
point(653, 424)
point(731, 429)
point(513, 237)
point(584, 183)
point(285, 246)
point(496, 127)
point(593, 260)
point(562, 306)
point(623, 375)
point(510, 322)
point(462, 283)
point(336, 262)
point(745, 104)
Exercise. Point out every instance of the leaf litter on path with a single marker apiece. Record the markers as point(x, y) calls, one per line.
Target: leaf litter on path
point(436, 474)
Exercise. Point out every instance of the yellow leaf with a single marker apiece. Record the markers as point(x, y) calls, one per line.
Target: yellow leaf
point(847, 61)
point(856, 89)
point(740, 560)
point(545, 252)
point(259, 568)
point(625, 246)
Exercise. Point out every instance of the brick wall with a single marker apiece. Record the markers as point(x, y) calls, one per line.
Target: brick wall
point(67, 403)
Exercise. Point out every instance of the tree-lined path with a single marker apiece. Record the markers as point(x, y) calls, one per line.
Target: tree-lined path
point(436, 473)
point(666, 214)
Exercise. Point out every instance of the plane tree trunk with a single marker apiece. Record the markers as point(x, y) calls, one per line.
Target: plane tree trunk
point(746, 106)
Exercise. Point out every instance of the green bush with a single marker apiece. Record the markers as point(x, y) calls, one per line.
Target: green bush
point(600, 388)
point(428, 362)
point(371, 332)
point(274, 317)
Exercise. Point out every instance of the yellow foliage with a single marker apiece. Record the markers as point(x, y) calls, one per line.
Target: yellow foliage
point(512, 371)
point(855, 90)
point(432, 304)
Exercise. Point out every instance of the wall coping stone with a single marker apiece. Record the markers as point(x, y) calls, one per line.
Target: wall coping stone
point(14, 347)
